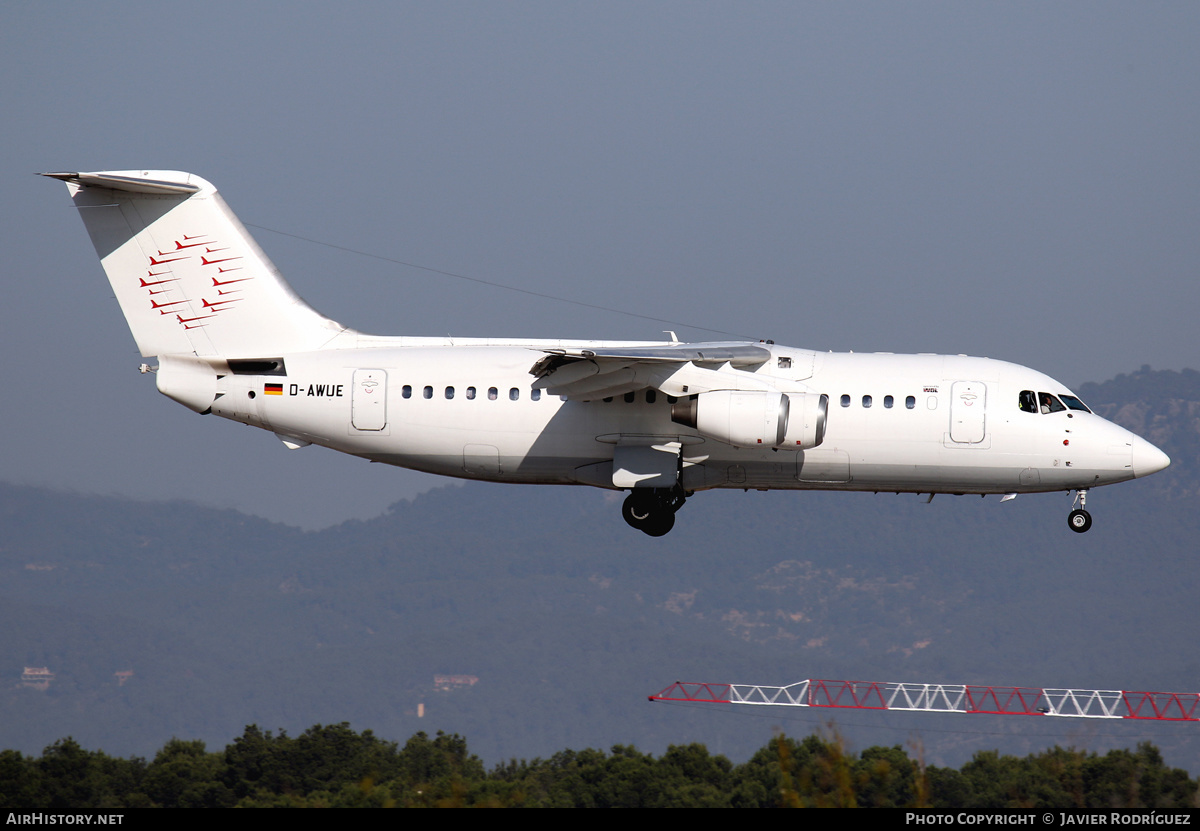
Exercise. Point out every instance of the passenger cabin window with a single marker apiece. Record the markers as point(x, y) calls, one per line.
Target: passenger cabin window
point(911, 402)
point(888, 401)
point(866, 401)
point(845, 401)
point(651, 396)
point(493, 394)
point(514, 394)
point(449, 393)
point(629, 397)
point(536, 395)
point(470, 393)
point(427, 392)
point(407, 391)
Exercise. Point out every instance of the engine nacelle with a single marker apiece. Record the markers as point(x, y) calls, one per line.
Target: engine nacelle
point(752, 418)
point(755, 418)
point(806, 421)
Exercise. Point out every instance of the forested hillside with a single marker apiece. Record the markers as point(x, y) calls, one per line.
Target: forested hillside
point(1163, 407)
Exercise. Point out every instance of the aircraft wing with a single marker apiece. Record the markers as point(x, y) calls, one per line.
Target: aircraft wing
point(588, 373)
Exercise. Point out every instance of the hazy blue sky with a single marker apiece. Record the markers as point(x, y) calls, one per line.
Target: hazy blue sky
point(1017, 180)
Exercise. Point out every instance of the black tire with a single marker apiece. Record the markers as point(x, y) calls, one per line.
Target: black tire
point(660, 524)
point(648, 514)
point(638, 511)
point(1079, 521)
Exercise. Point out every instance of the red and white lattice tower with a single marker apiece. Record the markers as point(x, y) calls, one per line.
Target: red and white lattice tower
point(946, 698)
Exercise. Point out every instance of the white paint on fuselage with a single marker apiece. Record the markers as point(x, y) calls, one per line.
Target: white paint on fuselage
point(552, 441)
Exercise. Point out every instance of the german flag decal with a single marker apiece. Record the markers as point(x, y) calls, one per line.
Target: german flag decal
point(272, 389)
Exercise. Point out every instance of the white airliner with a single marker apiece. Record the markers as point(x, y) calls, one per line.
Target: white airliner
point(660, 420)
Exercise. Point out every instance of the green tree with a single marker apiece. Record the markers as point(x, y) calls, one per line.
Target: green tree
point(184, 775)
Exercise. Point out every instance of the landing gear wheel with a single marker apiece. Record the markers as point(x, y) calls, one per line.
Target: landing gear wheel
point(660, 525)
point(638, 510)
point(653, 513)
point(1079, 521)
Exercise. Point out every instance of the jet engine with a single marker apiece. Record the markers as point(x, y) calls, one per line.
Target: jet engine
point(749, 418)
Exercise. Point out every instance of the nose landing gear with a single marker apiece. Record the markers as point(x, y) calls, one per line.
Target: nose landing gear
point(652, 510)
point(1079, 520)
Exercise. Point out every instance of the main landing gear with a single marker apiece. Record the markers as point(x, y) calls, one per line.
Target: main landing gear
point(652, 510)
point(1079, 520)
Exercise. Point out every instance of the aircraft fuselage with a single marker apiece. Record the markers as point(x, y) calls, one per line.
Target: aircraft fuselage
point(918, 423)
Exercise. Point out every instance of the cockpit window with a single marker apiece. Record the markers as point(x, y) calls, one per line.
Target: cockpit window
point(1047, 403)
point(1028, 401)
point(1074, 403)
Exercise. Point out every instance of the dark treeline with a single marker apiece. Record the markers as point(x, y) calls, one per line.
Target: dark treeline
point(333, 766)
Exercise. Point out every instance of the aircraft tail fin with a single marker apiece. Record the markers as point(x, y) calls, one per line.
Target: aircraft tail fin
point(189, 277)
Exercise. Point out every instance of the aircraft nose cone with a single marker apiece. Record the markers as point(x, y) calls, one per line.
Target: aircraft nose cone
point(1147, 458)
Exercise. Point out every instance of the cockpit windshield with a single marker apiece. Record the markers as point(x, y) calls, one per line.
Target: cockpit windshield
point(1074, 403)
point(1048, 403)
point(1044, 402)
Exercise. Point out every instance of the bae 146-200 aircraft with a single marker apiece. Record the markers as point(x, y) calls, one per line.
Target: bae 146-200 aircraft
point(661, 420)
